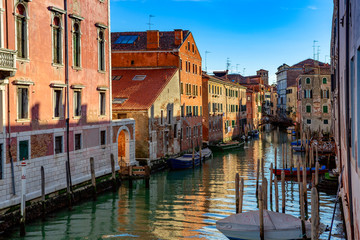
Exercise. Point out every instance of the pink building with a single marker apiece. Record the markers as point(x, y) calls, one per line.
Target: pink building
point(44, 82)
point(345, 86)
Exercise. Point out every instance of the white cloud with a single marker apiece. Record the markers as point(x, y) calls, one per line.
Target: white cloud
point(312, 7)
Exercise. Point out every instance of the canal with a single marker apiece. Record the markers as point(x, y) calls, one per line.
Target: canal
point(179, 204)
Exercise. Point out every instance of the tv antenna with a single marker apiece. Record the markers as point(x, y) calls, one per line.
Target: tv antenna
point(228, 63)
point(314, 46)
point(237, 68)
point(150, 24)
point(206, 53)
point(318, 52)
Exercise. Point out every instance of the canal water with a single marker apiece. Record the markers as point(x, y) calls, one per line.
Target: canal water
point(179, 204)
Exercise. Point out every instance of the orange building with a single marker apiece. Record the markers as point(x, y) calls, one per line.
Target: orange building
point(155, 49)
point(46, 82)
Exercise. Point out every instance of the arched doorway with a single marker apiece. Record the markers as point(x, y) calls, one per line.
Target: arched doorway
point(123, 143)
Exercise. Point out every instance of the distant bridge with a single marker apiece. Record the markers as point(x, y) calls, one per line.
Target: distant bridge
point(276, 121)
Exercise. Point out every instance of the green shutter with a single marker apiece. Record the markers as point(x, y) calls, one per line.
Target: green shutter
point(23, 150)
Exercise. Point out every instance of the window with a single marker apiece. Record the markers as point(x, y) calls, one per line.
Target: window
point(23, 103)
point(162, 117)
point(326, 121)
point(325, 109)
point(24, 150)
point(169, 116)
point(21, 31)
point(307, 80)
point(188, 46)
point(308, 109)
point(77, 103)
point(103, 137)
point(324, 80)
point(78, 141)
point(308, 121)
point(57, 103)
point(58, 144)
point(175, 130)
point(57, 40)
point(101, 51)
point(181, 88)
point(102, 103)
point(76, 44)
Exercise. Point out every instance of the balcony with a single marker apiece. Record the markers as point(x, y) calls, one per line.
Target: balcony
point(7, 63)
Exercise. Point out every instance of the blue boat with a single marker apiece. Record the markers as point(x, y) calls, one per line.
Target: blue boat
point(183, 162)
point(297, 142)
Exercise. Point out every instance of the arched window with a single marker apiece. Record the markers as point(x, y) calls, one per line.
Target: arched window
point(57, 43)
point(76, 44)
point(101, 50)
point(21, 31)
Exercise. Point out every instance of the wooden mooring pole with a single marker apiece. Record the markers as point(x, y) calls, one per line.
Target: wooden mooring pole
point(113, 175)
point(257, 177)
point(261, 214)
point(93, 178)
point(315, 220)
point(304, 171)
point(241, 195)
point(265, 195)
point(237, 194)
point(302, 212)
point(43, 192)
point(283, 190)
point(271, 183)
point(276, 194)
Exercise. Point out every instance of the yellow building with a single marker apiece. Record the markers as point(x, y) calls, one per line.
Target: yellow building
point(291, 102)
point(224, 104)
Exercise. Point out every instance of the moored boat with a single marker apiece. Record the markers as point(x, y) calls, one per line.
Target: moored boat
point(183, 162)
point(226, 146)
point(205, 153)
point(293, 171)
point(276, 226)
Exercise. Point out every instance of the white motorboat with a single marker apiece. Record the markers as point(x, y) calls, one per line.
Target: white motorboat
point(205, 153)
point(276, 226)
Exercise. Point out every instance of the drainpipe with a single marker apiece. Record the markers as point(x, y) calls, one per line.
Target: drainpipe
point(67, 93)
point(8, 105)
point(348, 120)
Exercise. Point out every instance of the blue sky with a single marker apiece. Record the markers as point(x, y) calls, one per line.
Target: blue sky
point(252, 34)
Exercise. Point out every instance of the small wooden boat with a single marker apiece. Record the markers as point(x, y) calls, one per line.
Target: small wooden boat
point(183, 162)
point(276, 226)
point(226, 146)
point(298, 148)
point(205, 153)
point(254, 133)
point(297, 142)
point(293, 171)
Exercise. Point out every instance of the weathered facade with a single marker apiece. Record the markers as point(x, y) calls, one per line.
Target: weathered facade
point(152, 98)
point(167, 49)
point(53, 83)
point(314, 93)
point(345, 57)
point(224, 109)
point(291, 102)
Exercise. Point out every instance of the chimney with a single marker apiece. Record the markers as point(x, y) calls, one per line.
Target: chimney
point(152, 39)
point(178, 35)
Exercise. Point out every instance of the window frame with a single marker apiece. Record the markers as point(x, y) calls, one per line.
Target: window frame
point(102, 113)
point(62, 144)
point(59, 45)
point(100, 137)
point(76, 47)
point(101, 48)
point(20, 139)
point(24, 32)
point(61, 109)
point(77, 91)
point(81, 140)
point(22, 104)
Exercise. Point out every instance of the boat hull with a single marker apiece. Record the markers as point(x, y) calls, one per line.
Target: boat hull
point(288, 171)
point(182, 163)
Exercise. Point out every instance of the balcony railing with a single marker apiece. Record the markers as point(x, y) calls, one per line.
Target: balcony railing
point(7, 60)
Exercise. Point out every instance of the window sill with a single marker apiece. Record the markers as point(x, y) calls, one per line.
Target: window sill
point(76, 117)
point(102, 71)
point(23, 120)
point(22, 60)
point(57, 65)
point(77, 68)
point(101, 116)
point(58, 118)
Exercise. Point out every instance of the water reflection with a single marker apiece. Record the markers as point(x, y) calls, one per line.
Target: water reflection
point(179, 204)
